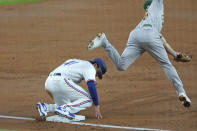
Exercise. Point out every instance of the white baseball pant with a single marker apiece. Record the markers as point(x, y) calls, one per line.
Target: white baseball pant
point(68, 94)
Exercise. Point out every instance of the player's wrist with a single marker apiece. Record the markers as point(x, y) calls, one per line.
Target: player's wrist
point(176, 54)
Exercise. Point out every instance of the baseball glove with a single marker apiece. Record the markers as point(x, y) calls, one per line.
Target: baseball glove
point(181, 57)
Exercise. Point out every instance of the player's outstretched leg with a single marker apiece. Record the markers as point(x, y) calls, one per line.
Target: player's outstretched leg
point(61, 111)
point(184, 99)
point(98, 41)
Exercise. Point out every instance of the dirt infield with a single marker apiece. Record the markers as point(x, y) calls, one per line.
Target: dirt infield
point(36, 38)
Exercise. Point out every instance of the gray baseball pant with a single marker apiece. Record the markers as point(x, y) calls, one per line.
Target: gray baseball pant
point(139, 41)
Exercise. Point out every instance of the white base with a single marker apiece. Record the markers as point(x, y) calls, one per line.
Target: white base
point(57, 118)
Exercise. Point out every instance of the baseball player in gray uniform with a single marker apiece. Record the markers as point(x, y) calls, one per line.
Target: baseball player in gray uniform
point(178, 56)
point(145, 37)
point(69, 97)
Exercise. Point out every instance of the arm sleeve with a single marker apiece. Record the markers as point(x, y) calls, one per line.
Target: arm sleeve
point(93, 92)
point(168, 47)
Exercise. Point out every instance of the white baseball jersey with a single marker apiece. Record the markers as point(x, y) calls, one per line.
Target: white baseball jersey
point(77, 70)
point(65, 89)
point(155, 16)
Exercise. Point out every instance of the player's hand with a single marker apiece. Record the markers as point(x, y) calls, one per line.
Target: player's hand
point(98, 112)
point(182, 57)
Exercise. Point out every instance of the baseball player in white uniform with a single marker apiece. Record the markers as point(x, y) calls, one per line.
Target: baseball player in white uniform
point(69, 97)
point(145, 37)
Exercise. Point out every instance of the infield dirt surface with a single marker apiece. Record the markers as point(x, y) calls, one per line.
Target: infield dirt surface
point(35, 38)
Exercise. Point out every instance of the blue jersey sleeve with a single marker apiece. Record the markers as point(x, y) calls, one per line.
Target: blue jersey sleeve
point(93, 92)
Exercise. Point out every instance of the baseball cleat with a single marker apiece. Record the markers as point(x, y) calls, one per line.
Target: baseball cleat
point(42, 109)
point(97, 41)
point(64, 113)
point(185, 100)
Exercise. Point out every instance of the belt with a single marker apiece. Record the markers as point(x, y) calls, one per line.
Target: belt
point(147, 25)
point(55, 74)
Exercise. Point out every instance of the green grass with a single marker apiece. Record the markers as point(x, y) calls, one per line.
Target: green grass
point(6, 130)
point(9, 2)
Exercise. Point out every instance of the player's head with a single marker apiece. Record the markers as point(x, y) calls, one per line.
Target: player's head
point(147, 3)
point(102, 67)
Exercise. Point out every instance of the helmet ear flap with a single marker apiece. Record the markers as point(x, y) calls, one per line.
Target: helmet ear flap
point(101, 65)
point(98, 70)
point(99, 73)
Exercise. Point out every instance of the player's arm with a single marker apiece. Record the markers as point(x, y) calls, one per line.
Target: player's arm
point(178, 56)
point(94, 96)
point(168, 47)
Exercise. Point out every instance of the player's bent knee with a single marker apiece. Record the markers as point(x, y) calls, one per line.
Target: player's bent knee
point(121, 68)
point(90, 103)
point(87, 102)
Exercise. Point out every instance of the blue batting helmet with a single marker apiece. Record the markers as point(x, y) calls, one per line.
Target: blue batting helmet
point(102, 66)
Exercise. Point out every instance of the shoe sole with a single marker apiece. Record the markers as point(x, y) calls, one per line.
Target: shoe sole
point(40, 118)
point(99, 34)
point(185, 102)
point(91, 43)
point(62, 115)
